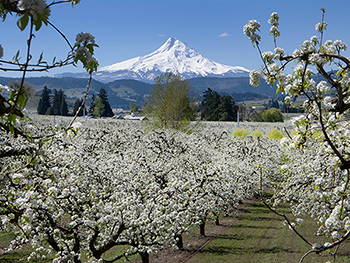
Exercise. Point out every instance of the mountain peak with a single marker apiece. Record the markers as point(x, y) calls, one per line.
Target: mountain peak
point(173, 56)
point(172, 45)
point(171, 42)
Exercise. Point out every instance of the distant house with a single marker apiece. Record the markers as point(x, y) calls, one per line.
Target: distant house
point(258, 108)
point(133, 117)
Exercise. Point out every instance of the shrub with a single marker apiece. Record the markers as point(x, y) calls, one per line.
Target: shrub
point(271, 115)
point(275, 134)
point(257, 133)
point(239, 132)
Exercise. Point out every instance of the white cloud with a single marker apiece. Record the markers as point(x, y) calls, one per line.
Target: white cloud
point(161, 35)
point(224, 35)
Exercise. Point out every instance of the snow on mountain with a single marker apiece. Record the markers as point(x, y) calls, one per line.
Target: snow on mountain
point(173, 56)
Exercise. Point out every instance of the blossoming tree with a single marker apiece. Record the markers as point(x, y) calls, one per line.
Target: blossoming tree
point(23, 147)
point(315, 177)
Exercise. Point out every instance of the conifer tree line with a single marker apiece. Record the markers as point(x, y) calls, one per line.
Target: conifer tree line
point(52, 105)
point(55, 104)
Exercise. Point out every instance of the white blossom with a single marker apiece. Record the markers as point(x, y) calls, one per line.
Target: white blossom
point(254, 78)
point(250, 29)
point(34, 7)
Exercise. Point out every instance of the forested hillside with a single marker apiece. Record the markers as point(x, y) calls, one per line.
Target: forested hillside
point(121, 93)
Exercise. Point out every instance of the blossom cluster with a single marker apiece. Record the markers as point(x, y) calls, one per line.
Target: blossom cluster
point(84, 50)
point(133, 189)
point(251, 29)
point(34, 8)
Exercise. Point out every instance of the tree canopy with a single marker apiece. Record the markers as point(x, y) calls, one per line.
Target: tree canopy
point(44, 102)
point(101, 107)
point(170, 101)
point(268, 115)
point(218, 108)
point(59, 104)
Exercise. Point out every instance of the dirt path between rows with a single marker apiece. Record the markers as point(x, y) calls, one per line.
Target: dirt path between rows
point(194, 243)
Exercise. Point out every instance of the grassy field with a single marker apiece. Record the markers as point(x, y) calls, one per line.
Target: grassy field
point(260, 236)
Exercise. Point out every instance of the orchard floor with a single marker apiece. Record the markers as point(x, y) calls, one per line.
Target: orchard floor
point(256, 235)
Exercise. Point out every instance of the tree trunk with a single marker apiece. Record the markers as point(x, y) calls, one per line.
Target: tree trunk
point(217, 222)
point(202, 228)
point(144, 257)
point(179, 242)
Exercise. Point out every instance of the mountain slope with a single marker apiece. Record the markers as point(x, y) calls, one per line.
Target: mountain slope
point(173, 56)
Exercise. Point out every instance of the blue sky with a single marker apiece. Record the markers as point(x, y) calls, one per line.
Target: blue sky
point(128, 28)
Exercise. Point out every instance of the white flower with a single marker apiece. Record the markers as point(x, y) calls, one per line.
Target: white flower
point(299, 221)
point(273, 20)
point(314, 40)
point(338, 44)
point(316, 246)
point(84, 38)
point(268, 56)
point(250, 29)
point(29, 129)
point(279, 51)
point(335, 235)
point(297, 53)
point(17, 176)
point(322, 87)
point(56, 170)
point(254, 78)
point(52, 190)
point(284, 167)
point(34, 7)
point(77, 125)
point(284, 142)
point(320, 27)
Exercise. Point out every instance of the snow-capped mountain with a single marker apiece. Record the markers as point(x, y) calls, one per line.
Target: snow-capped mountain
point(173, 56)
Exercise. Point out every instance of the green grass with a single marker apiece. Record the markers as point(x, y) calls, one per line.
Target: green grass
point(260, 236)
point(22, 254)
point(18, 255)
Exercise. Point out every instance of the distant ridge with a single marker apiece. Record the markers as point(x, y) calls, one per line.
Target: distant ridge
point(173, 56)
point(123, 92)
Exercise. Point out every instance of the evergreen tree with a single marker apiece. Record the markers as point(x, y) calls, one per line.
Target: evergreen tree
point(63, 106)
point(210, 104)
point(227, 110)
point(44, 102)
point(217, 108)
point(99, 107)
point(56, 103)
point(107, 110)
